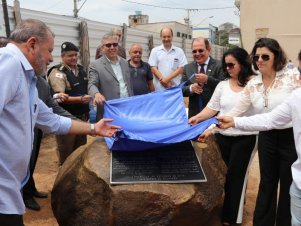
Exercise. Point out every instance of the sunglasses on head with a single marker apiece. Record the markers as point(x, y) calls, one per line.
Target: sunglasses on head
point(198, 50)
point(108, 45)
point(229, 65)
point(264, 57)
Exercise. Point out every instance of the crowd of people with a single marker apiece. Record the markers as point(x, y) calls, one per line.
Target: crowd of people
point(240, 84)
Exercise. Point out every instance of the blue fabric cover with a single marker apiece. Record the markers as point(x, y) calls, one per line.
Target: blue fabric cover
point(151, 120)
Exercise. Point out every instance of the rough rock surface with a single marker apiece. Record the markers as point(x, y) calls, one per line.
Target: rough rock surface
point(83, 196)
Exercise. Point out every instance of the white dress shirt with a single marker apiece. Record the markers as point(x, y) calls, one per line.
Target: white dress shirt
point(255, 97)
point(223, 100)
point(167, 62)
point(288, 111)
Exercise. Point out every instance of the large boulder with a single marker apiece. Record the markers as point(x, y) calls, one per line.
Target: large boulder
point(82, 194)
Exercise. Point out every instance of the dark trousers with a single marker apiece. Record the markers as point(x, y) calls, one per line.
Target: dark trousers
point(67, 144)
point(29, 188)
point(236, 152)
point(11, 220)
point(276, 153)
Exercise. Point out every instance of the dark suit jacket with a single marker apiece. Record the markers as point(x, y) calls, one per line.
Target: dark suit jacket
point(215, 75)
point(44, 92)
point(103, 80)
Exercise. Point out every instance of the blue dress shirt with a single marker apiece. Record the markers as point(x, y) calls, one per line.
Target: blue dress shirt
point(20, 111)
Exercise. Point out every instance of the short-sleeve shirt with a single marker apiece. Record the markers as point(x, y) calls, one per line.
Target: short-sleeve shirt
point(58, 80)
point(140, 77)
point(167, 62)
point(223, 100)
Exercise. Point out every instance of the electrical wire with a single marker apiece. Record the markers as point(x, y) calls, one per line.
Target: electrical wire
point(167, 7)
point(82, 5)
point(54, 5)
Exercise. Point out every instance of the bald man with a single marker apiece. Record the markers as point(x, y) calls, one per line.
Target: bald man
point(167, 62)
point(141, 75)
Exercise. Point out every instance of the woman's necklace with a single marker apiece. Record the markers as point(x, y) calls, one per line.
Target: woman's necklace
point(266, 91)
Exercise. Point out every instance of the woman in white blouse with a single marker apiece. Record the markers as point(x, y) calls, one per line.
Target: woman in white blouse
point(237, 147)
point(276, 148)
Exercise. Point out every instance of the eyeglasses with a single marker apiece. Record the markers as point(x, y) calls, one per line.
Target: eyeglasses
point(264, 57)
point(229, 65)
point(135, 52)
point(197, 50)
point(108, 45)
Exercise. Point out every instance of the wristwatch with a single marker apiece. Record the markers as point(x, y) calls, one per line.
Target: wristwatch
point(92, 129)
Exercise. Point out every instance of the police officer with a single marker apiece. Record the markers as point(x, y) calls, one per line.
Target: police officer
point(69, 79)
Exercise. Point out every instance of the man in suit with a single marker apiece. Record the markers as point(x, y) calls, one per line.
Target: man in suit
point(121, 50)
point(109, 76)
point(208, 73)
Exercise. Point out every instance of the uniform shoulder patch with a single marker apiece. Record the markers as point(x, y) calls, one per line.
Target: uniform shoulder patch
point(59, 75)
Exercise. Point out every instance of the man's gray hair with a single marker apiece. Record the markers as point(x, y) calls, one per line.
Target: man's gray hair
point(107, 36)
point(205, 40)
point(30, 28)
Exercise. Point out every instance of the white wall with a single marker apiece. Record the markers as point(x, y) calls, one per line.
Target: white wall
point(279, 18)
point(66, 28)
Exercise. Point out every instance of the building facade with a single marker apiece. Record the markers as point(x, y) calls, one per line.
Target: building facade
point(179, 30)
point(273, 19)
point(207, 31)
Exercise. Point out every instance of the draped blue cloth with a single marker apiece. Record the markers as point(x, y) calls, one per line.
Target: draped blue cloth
point(151, 120)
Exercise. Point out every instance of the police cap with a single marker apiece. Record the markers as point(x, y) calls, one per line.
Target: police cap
point(68, 46)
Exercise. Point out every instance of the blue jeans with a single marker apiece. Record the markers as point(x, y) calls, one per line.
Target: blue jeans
point(295, 193)
point(92, 113)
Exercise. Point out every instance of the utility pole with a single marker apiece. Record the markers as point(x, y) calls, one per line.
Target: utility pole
point(75, 10)
point(187, 21)
point(17, 12)
point(6, 19)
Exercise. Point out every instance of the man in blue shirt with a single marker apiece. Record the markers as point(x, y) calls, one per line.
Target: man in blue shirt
point(25, 57)
point(141, 74)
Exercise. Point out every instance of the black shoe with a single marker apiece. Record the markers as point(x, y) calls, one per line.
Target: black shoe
point(41, 195)
point(32, 204)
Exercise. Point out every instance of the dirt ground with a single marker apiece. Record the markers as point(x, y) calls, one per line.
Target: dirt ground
point(47, 168)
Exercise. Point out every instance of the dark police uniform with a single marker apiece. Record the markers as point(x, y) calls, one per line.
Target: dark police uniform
point(74, 83)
